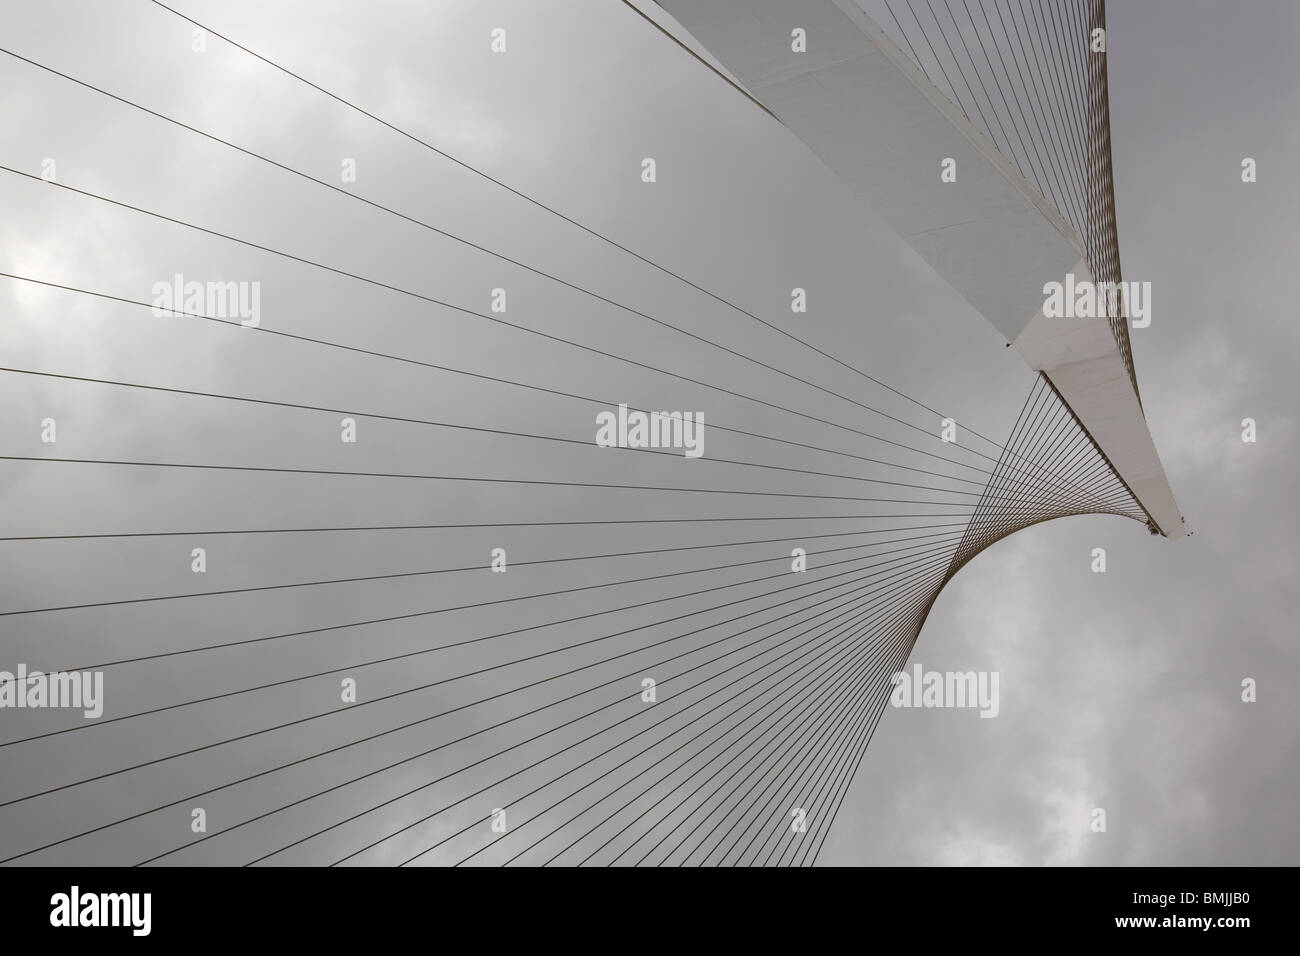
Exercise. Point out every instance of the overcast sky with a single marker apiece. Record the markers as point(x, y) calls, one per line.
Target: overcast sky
point(1119, 691)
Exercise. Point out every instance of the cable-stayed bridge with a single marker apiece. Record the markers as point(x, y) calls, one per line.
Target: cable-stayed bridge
point(565, 553)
